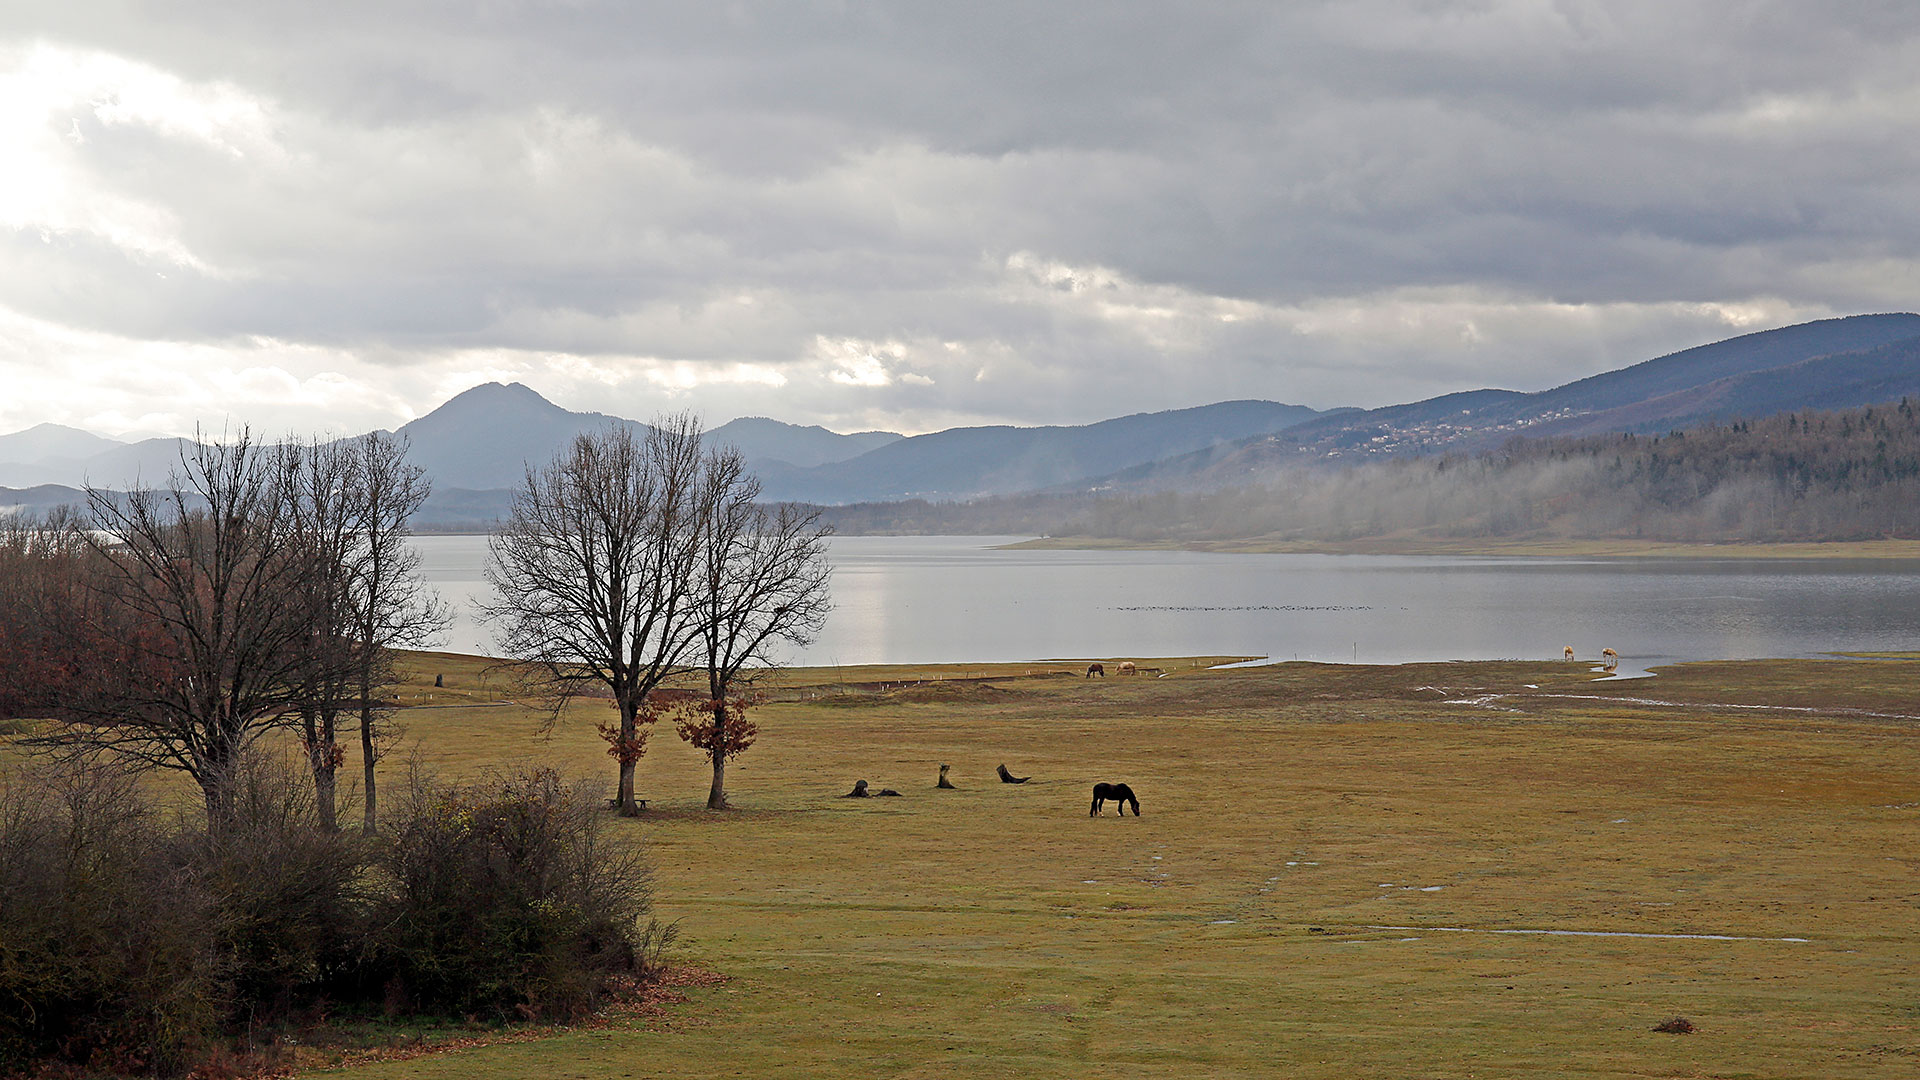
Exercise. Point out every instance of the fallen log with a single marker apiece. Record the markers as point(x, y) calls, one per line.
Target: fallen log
point(1008, 778)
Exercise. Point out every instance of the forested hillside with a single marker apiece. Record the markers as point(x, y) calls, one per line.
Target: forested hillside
point(1844, 475)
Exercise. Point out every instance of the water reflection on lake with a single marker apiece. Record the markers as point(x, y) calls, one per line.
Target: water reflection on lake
point(915, 599)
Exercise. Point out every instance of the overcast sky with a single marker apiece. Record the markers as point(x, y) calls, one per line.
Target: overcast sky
point(333, 216)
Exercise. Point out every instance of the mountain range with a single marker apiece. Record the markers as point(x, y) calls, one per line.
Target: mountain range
point(1829, 364)
point(477, 445)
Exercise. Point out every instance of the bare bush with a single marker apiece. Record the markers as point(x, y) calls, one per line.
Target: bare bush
point(507, 897)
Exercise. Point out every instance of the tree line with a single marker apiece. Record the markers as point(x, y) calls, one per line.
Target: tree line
point(265, 587)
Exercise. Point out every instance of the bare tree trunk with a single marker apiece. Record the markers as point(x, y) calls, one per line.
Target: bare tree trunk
point(369, 815)
point(717, 794)
point(629, 731)
point(628, 808)
point(322, 757)
point(324, 788)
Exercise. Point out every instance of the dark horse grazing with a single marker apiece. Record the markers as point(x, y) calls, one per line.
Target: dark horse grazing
point(1119, 793)
point(1096, 669)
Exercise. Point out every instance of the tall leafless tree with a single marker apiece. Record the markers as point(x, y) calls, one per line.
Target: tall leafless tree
point(391, 609)
point(593, 568)
point(319, 485)
point(208, 644)
point(762, 582)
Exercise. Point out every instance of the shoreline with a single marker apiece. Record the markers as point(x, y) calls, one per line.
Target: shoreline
point(1544, 549)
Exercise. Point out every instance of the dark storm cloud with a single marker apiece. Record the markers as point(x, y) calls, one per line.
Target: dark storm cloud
point(914, 214)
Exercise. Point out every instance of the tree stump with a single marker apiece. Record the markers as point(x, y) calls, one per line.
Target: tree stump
point(1008, 778)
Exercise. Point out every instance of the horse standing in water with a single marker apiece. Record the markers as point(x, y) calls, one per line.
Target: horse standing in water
point(1119, 793)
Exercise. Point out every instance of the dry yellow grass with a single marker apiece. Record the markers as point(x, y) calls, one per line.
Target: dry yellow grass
point(1291, 813)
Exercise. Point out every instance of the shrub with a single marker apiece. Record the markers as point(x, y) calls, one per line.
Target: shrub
point(132, 945)
point(290, 897)
point(106, 933)
point(506, 898)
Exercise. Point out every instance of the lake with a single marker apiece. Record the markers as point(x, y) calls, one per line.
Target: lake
point(920, 599)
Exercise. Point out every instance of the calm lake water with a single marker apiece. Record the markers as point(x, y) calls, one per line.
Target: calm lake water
point(917, 599)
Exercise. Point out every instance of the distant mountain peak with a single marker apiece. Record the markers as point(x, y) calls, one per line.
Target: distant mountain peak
point(49, 442)
point(495, 395)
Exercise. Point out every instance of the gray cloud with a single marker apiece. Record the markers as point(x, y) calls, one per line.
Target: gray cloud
point(909, 215)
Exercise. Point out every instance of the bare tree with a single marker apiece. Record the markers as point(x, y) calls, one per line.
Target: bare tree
point(319, 484)
point(593, 567)
point(391, 609)
point(202, 641)
point(762, 582)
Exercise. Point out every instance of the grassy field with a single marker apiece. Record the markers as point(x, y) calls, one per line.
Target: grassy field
point(1313, 891)
point(1341, 871)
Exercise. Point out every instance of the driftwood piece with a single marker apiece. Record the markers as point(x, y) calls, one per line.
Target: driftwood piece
point(859, 791)
point(943, 778)
point(1008, 778)
point(887, 791)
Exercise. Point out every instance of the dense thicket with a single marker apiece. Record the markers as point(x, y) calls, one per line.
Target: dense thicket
point(131, 943)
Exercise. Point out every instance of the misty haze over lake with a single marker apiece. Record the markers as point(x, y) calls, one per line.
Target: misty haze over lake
point(923, 599)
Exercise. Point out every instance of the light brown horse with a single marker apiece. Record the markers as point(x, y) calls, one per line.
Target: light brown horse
point(1609, 659)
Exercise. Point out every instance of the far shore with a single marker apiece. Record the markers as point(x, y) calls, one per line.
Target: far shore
point(1400, 545)
point(1584, 549)
point(1437, 546)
